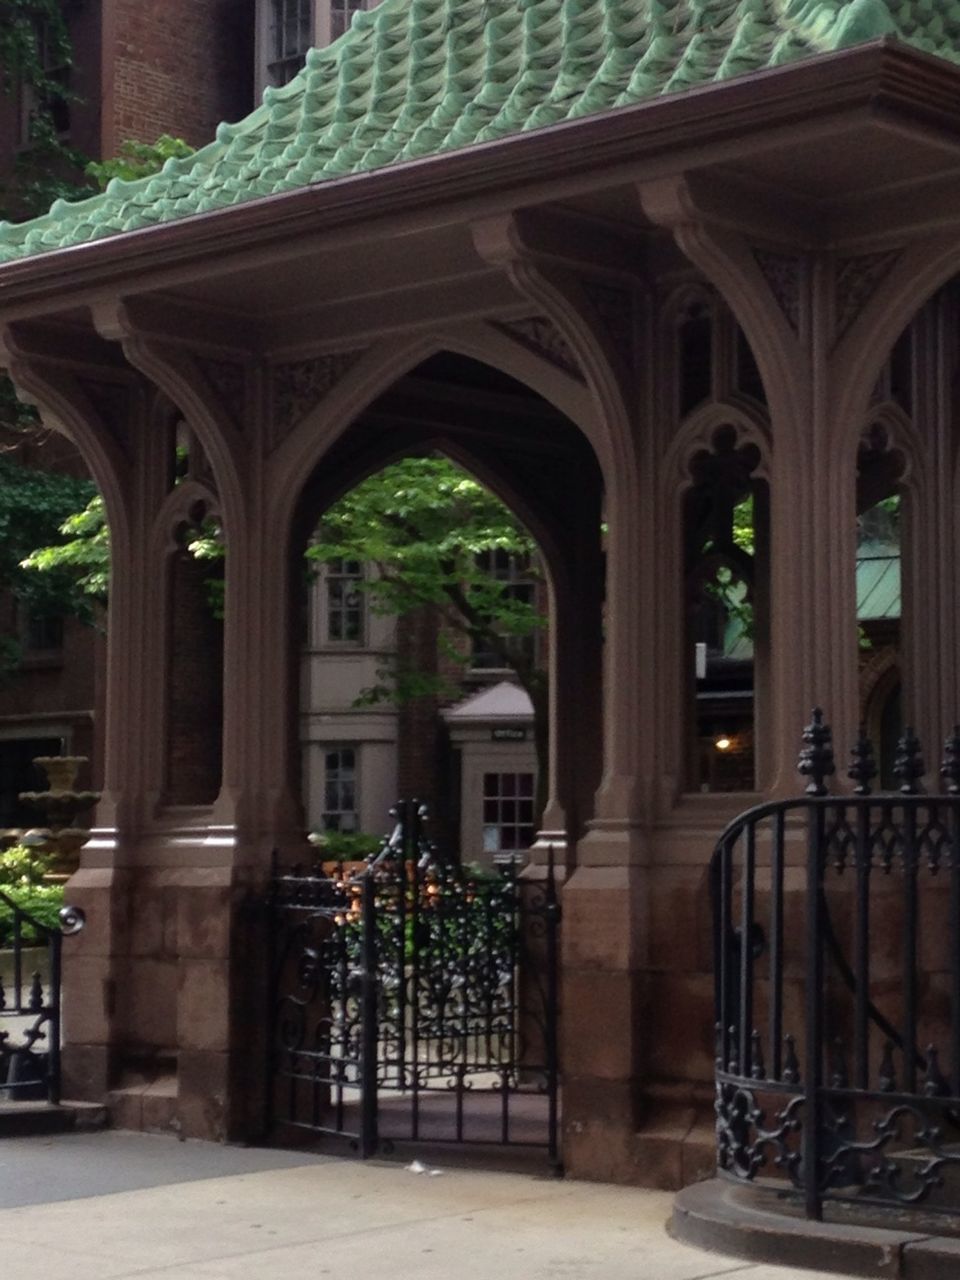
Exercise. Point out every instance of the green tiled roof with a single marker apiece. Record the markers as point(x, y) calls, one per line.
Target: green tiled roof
point(414, 78)
point(878, 595)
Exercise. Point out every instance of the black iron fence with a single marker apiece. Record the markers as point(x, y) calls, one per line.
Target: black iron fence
point(837, 927)
point(416, 1000)
point(30, 1009)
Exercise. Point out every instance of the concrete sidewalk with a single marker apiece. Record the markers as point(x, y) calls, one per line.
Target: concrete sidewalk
point(112, 1205)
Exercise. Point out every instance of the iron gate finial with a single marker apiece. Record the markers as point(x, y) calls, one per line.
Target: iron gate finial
point(950, 770)
point(909, 766)
point(816, 759)
point(863, 765)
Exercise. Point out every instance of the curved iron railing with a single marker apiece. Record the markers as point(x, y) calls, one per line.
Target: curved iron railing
point(30, 1008)
point(837, 951)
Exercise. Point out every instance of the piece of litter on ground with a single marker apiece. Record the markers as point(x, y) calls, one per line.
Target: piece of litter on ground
point(419, 1167)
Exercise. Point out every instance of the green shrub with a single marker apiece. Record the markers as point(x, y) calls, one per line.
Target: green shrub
point(22, 886)
point(21, 866)
point(344, 846)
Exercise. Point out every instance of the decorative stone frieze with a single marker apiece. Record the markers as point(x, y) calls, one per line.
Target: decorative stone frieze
point(299, 385)
point(782, 274)
point(537, 334)
point(857, 280)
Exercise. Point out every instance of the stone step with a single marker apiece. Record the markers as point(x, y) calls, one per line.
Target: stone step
point(29, 1119)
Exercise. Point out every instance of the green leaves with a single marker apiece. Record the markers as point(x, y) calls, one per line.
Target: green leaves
point(33, 38)
point(35, 61)
point(34, 505)
point(432, 533)
point(138, 160)
point(22, 885)
point(77, 566)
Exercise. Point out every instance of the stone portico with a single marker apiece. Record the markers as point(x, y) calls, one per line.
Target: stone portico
point(616, 262)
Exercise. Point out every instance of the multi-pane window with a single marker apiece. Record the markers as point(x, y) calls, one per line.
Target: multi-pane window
point(288, 29)
point(341, 15)
point(519, 583)
point(344, 579)
point(291, 35)
point(507, 814)
point(340, 790)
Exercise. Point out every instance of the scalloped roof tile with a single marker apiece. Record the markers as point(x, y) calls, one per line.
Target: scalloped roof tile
point(415, 78)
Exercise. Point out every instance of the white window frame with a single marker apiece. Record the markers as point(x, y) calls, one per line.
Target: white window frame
point(326, 608)
point(517, 576)
point(322, 32)
point(328, 811)
point(493, 828)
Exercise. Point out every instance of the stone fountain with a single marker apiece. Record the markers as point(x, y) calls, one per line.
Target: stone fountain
point(60, 807)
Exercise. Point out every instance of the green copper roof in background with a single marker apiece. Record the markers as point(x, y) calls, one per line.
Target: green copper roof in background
point(415, 78)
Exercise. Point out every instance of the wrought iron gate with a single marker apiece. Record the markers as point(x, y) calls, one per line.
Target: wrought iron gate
point(416, 1001)
point(837, 927)
point(30, 1023)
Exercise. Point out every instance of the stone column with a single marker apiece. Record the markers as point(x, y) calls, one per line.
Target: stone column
point(785, 299)
point(581, 286)
point(103, 407)
point(929, 625)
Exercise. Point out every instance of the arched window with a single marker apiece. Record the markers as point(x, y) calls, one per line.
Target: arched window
point(725, 573)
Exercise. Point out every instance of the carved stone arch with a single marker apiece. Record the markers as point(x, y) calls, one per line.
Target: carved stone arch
point(859, 357)
point(608, 380)
point(680, 297)
point(498, 481)
point(627, 459)
point(877, 677)
point(728, 263)
point(382, 366)
point(731, 265)
point(678, 300)
point(495, 345)
point(175, 375)
point(880, 678)
point(181, 507)
point(65, 407)
point(903, 438)
point(674, 311)
point(697, 434)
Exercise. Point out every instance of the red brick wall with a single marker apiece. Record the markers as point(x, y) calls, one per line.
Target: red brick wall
point(179, 67)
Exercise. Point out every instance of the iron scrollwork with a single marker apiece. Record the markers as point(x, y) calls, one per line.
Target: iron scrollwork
point(418, 997)
point(30, 969)
point(822, 1080)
